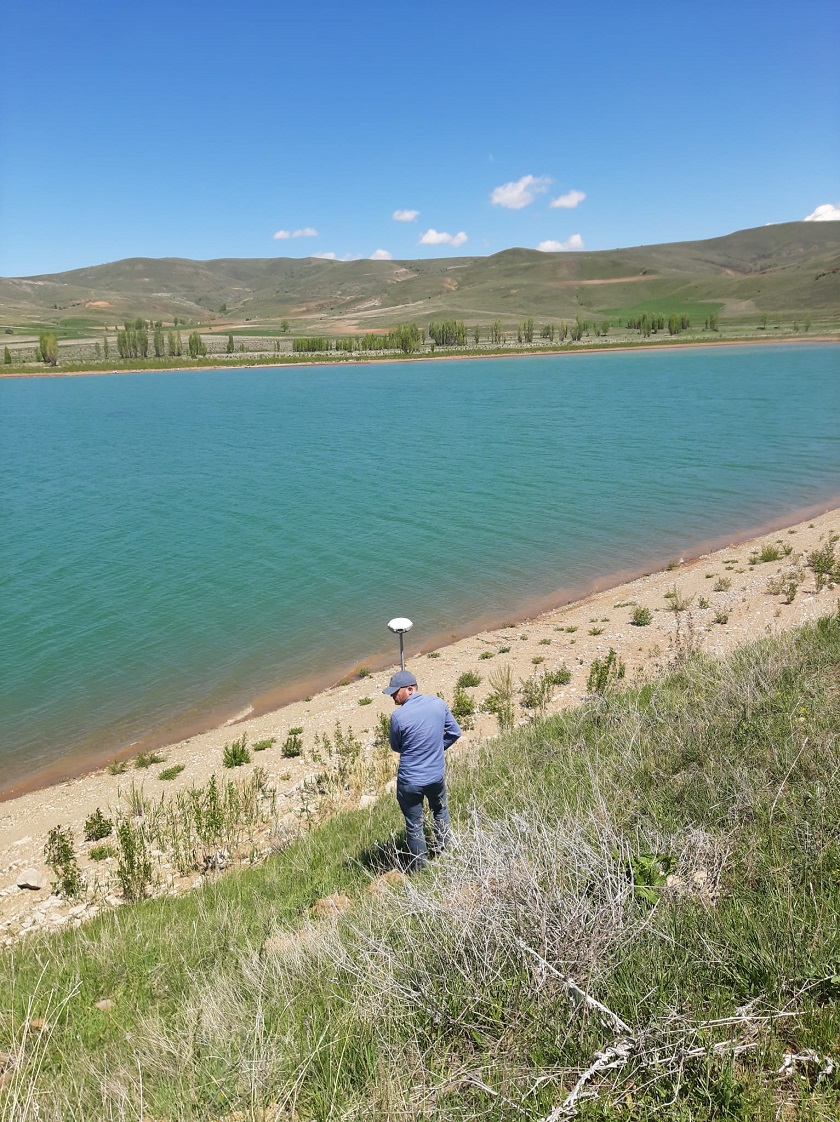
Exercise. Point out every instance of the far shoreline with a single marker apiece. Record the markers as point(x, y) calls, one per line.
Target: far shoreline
point(230, 716)
point(356, 361)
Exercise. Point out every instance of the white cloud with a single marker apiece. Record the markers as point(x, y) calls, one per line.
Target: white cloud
point(306, 232)
point(405, 215)
point(381, 255)
point(568, 201)
point(828, 212)
point(433, 237)
point(572, 243)
point(514, 196)
point(330, 256)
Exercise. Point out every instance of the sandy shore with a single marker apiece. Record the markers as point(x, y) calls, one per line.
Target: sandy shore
point(729, 601)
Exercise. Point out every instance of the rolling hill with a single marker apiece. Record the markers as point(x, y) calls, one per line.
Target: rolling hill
point(784, 269)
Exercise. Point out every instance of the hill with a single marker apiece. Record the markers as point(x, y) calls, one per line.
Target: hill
point(787, 269)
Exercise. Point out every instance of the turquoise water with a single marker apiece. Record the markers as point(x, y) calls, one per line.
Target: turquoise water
point(175, 544)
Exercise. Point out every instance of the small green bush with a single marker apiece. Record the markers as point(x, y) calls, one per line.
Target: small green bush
point(604, 673)
point(236, 754)
point(596, 631)
point(721, 616)
point(171, 772)
point(97, 826)
point(722, 584)
point(463, 705)
point(61, 858)
point(559, 677)
point(102, 852)
point(292, 745)
point(118, 767)
point(146, 759)
point(433, 654)
point(485, 655)
point(503, 650)
point(134, 865)
point(363, 672)
point(641, 617)
point(537, 659)
point(365, 700)
point(766, 553)
point(466, 679)
point(702, 602)
point(264, 744)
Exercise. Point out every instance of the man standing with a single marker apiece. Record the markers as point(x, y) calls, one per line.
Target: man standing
point(422, 728)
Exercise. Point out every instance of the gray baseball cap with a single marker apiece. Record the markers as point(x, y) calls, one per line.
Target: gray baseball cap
point(398, 680)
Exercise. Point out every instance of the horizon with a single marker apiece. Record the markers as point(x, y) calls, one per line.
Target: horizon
point(382, 134)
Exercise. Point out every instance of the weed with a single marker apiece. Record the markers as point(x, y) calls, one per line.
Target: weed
point(536, 692)
point(118, 767)
point(703, 602)
point(721, 616)
point(433, 654)
point(766, 553)
point(641, 617)
point(147, 759)
point(485, 655)
point(500, 699)
point(625, 604)
point(605, 673)
point(545, 642)
point(503, 650)
point(296, 731)
point(559, 677)
point(363, 672)
point(170, 773)
point(596, 631)
point(824, 564)
point(262, 745)
point(463, 706)
point(648, 873)
point(292, 745)
point(236, 753)
point(365, 700)
point(722, 584)
point(382, 732)
point(467, 679)
point(671, 566)
point(134, 865)
point(61, 858)
point(102, 852)
point(537, 659)
point(571, 630)
point(97, 826)
point(678, 603)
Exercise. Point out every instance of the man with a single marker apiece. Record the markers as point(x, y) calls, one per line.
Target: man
point(422, 728)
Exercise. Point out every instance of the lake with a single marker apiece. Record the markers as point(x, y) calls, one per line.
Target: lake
point(175, 545)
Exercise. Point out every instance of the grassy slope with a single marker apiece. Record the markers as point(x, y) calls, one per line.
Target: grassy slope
point(786, 268)
point(444, 998)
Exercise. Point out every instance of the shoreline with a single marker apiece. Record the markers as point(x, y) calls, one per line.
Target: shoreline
point(237, 712)
point(355, 361)
point(727, 601)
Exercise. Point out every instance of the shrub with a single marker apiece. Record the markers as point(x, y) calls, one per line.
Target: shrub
point(118, 767)
point(702, 602)
point(365, 700)
point(363, 672)
point(264, 744)
point(503, 650)
point(722, 584)
point(61, 858)
point(721, 616)
point(766, 553)
point(468, 678)
point(293, 745)
point(463, 705)
point(500, 700)
point(134, 865)
point(433, 654)
point(485, 655)
point(102, 852)
point(604, 673)
point(679, 603)
point(537, 659)
point(596, 631)
point(641, 617)
point(97, 826)
point(171, 772)
point(824, 564)
point(146, 759)
point(559, 677)
point(237, 753)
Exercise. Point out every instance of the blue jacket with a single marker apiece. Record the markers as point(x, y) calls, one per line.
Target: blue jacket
point(422, 728)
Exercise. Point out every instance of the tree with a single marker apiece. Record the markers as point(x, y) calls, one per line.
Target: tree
point(48, 348)
point(158, 340)
point(106, 350)
point(476, 334)
point(7, 356)
point(284, 325)
point(497, 333)
point(528, 331)
point(229, 347)
point(196, 345)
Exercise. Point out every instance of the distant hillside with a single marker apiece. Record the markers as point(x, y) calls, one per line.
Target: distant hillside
point(788, 268)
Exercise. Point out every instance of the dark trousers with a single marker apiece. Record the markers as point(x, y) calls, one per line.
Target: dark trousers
point(410, 797)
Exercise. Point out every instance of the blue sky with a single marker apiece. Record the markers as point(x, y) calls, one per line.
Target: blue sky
point(259, 129)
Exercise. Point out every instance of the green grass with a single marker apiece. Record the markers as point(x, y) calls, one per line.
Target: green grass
point(673, 848)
